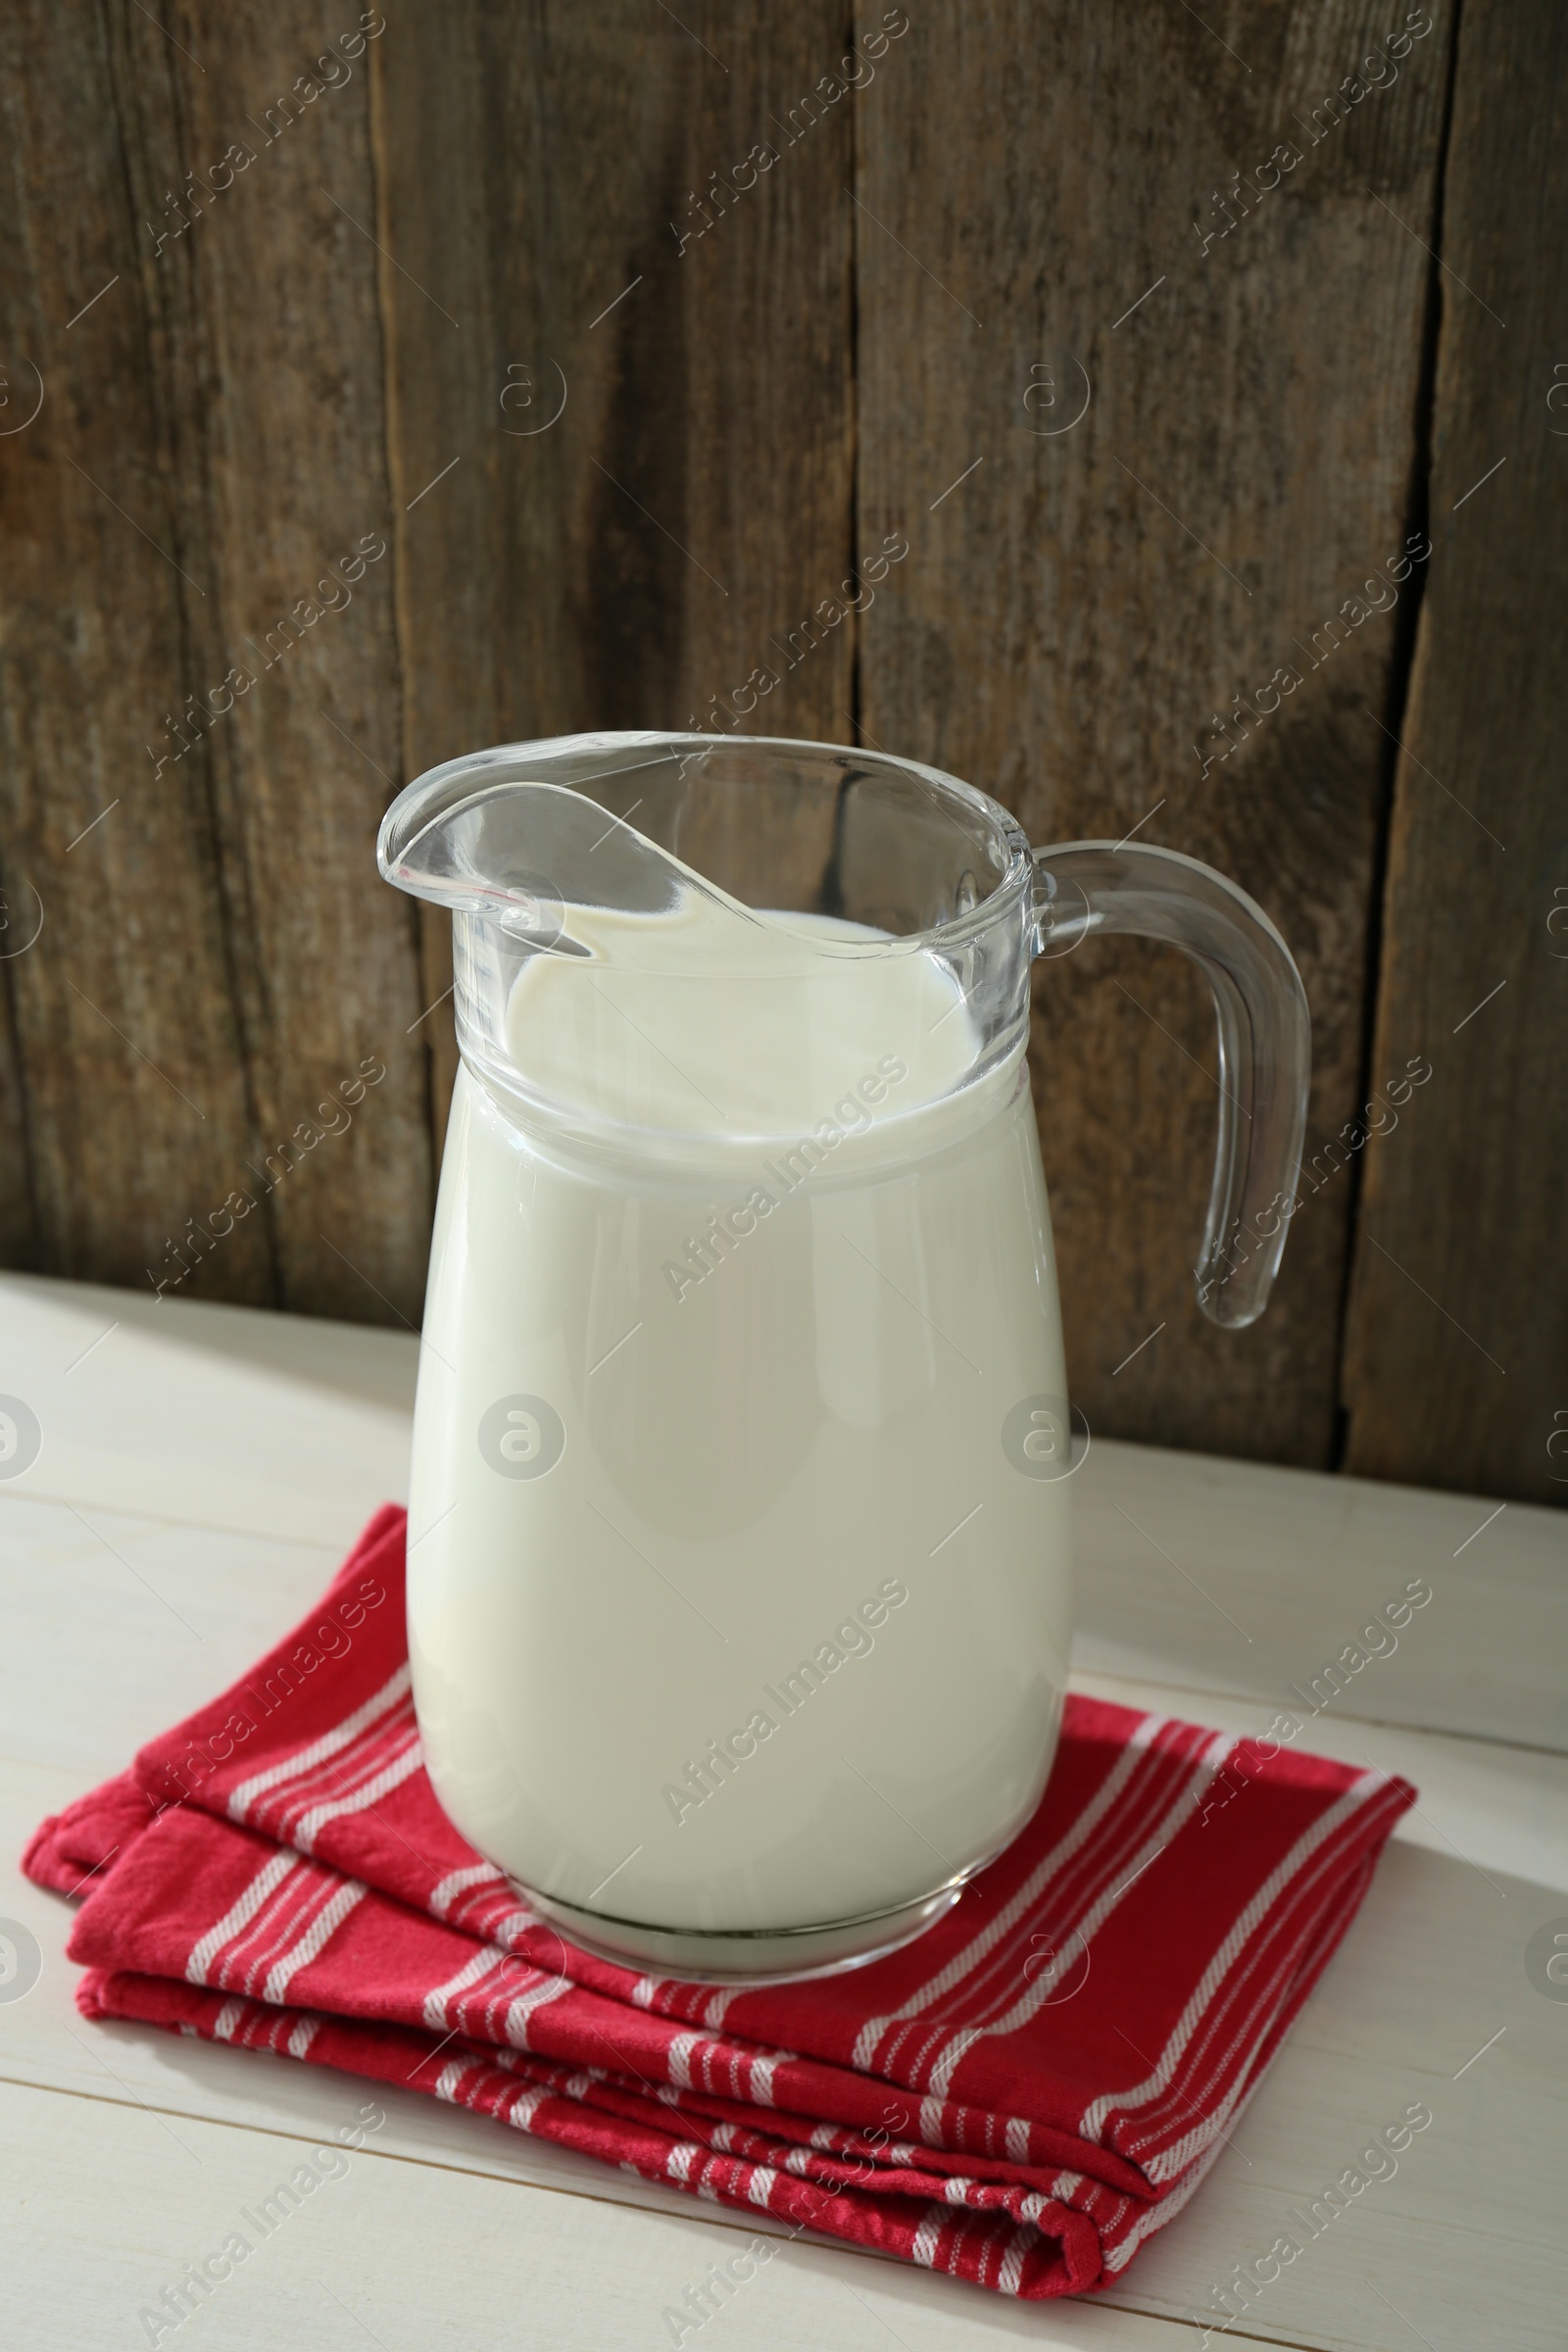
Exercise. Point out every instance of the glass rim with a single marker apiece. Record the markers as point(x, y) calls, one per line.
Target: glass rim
point(440, 791)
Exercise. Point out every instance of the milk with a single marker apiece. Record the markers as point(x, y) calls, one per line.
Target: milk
point(738, 1622)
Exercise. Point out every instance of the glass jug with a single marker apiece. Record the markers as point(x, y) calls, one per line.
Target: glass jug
point(739, 1583)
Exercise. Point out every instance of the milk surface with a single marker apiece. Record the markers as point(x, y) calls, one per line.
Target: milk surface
point(729, 1609)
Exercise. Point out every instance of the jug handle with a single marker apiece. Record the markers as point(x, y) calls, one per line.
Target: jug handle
point(1265, 1039)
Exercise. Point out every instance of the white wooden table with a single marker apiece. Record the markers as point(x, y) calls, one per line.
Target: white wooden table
point(201, 1472)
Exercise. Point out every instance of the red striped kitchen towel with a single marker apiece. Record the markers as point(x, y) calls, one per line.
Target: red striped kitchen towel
point(1019, 2099)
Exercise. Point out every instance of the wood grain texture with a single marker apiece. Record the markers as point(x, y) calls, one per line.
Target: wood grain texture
point(1457, 1358)
point(128, 1063)
point(1074, 612)
point(270, 362)
point(641, 381)
point(633, 335)
point(18, 1210)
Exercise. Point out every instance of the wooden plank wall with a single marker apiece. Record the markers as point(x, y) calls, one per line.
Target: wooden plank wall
point(1457, 1356)
point(1126, 579)
point(1163, 339)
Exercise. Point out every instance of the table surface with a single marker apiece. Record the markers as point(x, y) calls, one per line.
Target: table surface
point(202, 1471)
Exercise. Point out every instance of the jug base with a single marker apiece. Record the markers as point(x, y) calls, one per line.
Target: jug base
point(766, 1956)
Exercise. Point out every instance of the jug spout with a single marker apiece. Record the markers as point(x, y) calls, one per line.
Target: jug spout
point(600, 976)
point(530, 854)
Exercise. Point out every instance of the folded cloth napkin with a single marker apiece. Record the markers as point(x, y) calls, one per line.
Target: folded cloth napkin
point(1020, 2097)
